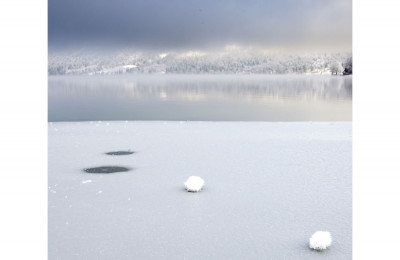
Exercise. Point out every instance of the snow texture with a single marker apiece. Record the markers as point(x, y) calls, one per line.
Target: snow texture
point(270, 185)
point(194, 184)
point(320, 240)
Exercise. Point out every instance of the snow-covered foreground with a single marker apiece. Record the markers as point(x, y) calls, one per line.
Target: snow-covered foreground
point(269, 187)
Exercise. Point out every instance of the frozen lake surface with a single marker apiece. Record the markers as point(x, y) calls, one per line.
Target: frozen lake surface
point(201, 97)
point(268, 187)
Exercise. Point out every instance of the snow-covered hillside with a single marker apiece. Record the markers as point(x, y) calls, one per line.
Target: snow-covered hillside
point(122, 62)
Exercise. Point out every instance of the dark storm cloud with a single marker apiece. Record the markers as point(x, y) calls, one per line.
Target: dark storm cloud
point(172, 24)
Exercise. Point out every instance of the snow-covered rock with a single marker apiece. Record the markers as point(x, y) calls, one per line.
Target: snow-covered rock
point(194, 184)
point(320, 240)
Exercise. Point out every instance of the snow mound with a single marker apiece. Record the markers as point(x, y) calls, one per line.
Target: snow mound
point(320, 240)
point(194, 184)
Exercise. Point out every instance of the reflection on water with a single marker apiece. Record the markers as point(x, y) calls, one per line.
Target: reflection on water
point(200, 97)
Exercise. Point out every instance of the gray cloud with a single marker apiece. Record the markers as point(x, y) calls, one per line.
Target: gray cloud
point(191, 24)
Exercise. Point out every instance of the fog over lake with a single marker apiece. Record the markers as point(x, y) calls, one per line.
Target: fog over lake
point(200, 97)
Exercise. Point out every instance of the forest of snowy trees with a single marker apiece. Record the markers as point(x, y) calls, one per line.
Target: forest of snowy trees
point(198, 63)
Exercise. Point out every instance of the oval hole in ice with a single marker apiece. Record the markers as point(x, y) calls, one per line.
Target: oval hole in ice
point(106, 169)
point(120, 153)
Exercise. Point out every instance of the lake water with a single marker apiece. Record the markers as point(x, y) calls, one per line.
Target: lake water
point(200, 97)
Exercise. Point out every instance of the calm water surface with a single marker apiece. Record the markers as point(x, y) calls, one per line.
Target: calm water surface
point(200, 97)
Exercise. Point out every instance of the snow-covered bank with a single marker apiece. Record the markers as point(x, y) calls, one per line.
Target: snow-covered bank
point(269, 187)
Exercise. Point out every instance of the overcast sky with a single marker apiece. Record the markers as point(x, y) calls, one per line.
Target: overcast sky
point(200, 24)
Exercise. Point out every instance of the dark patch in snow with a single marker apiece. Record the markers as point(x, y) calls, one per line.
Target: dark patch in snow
point(106, 169)
point(120, 153)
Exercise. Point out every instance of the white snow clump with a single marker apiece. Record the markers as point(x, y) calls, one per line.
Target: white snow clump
point(320, 240)
point(194, 184)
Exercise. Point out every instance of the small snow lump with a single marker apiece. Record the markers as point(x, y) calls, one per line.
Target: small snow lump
point(194, 184)
point(320, 240)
